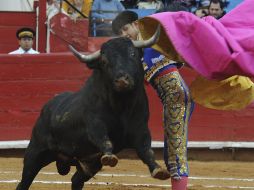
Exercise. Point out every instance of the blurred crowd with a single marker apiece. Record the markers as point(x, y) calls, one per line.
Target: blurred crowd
point(102, 12)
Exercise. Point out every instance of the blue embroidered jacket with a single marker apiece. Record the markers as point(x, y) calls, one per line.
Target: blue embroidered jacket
point(154, 63)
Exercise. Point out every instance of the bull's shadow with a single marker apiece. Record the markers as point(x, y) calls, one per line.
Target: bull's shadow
point(87, 128)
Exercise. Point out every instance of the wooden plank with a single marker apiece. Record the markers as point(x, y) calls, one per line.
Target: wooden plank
point(13, 134)
point(23, 103)
point(8, 18)
point(49, 71)
point(42, 58)
point(35, 88)
point(17, 126)
point(209, 133)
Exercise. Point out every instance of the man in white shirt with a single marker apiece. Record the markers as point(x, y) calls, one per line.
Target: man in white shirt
point(25, 37)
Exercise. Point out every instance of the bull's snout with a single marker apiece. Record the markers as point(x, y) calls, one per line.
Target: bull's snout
point(123, 83)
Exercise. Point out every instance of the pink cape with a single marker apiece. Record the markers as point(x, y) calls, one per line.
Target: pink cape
point(216, 49)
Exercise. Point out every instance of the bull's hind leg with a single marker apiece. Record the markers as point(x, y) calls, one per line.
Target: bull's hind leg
point(35, 159)
point(85, 171)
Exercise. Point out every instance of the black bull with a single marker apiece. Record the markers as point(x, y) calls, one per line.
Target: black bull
point(85, 129)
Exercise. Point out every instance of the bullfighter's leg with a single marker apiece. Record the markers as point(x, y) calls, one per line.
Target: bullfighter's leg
point(85, 171)
point(35, 159)
point(99, 137)
point(177, 108)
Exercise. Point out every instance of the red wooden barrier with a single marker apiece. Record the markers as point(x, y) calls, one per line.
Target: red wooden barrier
point(28, 81)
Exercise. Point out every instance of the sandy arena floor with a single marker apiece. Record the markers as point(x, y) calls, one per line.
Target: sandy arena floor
point(132, 174)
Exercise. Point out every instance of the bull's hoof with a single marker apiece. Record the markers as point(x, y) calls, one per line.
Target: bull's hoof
point(109, 160)
point(62, 168)
point(161, 174)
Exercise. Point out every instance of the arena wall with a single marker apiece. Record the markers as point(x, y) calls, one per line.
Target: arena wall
point(28, 81)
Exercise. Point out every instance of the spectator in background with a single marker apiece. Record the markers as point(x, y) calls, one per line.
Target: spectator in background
point(201, 12)
point(204, 3)
point(185, 3)
point(129, 4)
point(216, 9)
point(172, 7)
point(25, 37)
point(210, 8)
point(103, 12)
point(202, 9)
point(150, 4)
point(84, 6)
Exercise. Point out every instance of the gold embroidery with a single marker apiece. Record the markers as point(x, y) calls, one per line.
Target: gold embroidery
point(172, 91)
point(156, 68)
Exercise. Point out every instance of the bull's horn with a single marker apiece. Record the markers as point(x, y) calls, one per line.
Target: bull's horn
point(149, 42)
point(85, 58)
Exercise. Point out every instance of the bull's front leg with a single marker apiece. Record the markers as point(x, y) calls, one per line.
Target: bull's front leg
point(146, 154)
point(98, 135)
